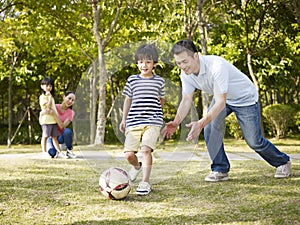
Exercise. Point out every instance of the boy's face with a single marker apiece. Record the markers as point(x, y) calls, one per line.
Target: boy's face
point(46, 87)
point(146, 66)
point(187, 62)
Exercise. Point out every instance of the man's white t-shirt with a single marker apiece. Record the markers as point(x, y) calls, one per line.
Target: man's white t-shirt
point(218, 76)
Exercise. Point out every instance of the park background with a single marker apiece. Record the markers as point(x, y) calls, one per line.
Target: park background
point(88, 46)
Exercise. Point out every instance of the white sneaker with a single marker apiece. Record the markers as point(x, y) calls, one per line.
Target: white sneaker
point(133, 172)
point(70, 154)
point(217, 176)
point(61, 155)
point(283, 171)
point(144, 188)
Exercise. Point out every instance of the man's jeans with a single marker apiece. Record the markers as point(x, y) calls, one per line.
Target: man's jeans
point(249, 121)
point(65, 137)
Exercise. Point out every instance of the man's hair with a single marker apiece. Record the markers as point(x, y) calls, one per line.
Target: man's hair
point(47, 81)
point(184, 45)
point(146, 51)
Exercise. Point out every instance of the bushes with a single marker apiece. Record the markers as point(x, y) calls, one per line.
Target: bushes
point(281, 118)
point(233, 127)
point(279, 121)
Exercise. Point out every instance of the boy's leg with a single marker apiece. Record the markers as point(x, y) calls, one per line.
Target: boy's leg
point(131, 145)
point(132, 159)
point(147, 162)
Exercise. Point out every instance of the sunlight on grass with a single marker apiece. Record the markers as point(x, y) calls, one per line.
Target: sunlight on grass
point(41, 191)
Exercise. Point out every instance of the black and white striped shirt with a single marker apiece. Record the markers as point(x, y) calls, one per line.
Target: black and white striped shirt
point(145, 107)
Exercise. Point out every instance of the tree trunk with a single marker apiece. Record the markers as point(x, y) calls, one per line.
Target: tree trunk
point(93, 101)
point(101, 119)
point(250, 68)
point(15, 57)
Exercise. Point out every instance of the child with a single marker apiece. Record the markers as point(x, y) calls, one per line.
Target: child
point(142, 115)
point(48, 121)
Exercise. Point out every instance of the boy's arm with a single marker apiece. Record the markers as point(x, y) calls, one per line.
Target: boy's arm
point(162, 102)
point(126, 107)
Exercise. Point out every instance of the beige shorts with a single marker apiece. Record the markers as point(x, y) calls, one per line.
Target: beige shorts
point(141, 136)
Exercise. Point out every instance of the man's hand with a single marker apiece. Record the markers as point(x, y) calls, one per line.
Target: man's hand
point(169, 129)
point(195, 131)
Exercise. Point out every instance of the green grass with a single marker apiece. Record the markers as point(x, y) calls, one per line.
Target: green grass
point(41, 191)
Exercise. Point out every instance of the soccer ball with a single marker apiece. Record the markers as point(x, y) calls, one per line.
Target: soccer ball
point(114, 183)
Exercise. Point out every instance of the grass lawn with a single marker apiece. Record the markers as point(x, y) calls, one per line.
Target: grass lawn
point(45, 191)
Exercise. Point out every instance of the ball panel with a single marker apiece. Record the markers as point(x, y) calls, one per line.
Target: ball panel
point(114, 183)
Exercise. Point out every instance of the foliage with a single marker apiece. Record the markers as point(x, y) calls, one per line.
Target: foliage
point(281, 117)
point(233, 127)
point(55, 38)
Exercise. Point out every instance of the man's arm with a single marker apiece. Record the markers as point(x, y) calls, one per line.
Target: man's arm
point(182, 111)
point(197, 126)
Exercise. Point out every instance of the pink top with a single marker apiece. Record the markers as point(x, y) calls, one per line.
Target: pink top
point(63, 116)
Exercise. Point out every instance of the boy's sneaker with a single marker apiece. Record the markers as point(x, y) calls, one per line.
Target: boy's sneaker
point(70, 154)
point(283, 171)
point(61, 155)
point(133, 172)
point(217, 176)
point(144, 188)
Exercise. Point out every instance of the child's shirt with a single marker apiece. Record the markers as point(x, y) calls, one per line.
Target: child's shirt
point(145, 107)
point(46, 118)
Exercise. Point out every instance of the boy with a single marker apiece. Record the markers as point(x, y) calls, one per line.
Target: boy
point(142, 115)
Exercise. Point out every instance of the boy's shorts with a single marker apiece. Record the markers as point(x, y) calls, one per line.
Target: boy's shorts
point(141, 136)
point(50, 130)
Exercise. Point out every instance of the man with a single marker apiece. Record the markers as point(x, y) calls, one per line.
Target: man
point(232, 91)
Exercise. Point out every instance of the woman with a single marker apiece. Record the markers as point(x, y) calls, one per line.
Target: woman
point(65, 114)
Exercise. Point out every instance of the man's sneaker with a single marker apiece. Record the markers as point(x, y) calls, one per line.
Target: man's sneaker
point(283, 171)
point(144, 188)
point(61, 155)
point(133, 172)
point(70, 154)
point(217, 176)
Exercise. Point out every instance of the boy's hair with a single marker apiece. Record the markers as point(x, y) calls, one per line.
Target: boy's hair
point(184, 45)
point(146, 51)
point(47, 81)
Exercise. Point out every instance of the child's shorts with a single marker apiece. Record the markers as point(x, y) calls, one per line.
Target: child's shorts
point(50, 130)
point(141, 136)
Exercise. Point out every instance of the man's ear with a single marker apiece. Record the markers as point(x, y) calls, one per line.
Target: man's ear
point(196, 55)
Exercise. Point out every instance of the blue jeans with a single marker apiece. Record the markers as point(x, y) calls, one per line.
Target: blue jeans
point(249, 121)
point(65, 137)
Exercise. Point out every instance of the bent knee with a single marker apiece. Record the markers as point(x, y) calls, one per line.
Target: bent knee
point(129, 155)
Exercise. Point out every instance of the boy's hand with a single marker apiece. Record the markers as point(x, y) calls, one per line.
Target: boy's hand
point(122, 126)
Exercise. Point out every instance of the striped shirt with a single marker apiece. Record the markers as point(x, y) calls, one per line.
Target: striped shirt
point(145, 94)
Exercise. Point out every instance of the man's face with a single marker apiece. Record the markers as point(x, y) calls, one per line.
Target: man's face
point(187, 62)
